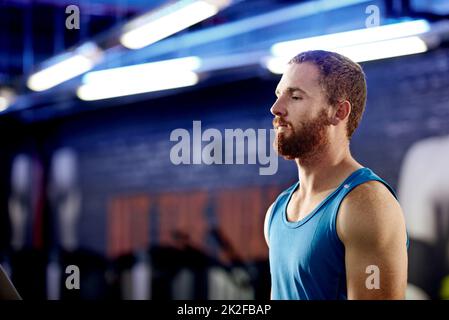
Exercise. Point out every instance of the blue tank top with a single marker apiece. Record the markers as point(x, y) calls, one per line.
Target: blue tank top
point(307, 258)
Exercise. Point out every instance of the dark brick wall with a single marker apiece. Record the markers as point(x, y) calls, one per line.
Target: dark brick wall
point(408, 100)
point(125, 150)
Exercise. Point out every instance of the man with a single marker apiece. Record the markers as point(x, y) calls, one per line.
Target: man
point(339, 232)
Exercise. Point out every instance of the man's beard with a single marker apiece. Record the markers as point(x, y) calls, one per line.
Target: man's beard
point(305, 141)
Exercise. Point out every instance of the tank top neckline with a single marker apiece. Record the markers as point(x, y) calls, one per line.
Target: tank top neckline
point(296, 224)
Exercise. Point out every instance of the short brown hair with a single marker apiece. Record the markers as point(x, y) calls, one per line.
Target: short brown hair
point(341, 79)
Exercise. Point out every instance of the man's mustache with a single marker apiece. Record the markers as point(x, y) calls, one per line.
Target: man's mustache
point(280, 122)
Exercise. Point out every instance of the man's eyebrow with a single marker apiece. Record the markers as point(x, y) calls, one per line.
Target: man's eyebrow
point(292, 90)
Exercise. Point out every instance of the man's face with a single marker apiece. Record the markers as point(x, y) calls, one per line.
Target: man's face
point(301, 113)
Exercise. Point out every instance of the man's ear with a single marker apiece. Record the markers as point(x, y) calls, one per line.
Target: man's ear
point(343, 109)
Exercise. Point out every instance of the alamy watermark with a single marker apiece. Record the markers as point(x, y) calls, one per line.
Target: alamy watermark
point(373, 20)
point(373, 280)
point(73, 280)
point(225, 149)
point(73, 20)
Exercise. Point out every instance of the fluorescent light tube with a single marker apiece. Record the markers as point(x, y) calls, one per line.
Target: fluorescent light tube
point(4, 103)
point(364, 52)
point(146, 83)
point(7, 97)
point(351, 38)
point(70, 65)
point(59, 72)
point(147, 77)
point(181, 16)
point(154, 69)
point(384, 49)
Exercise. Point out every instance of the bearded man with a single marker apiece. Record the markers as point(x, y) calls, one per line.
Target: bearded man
point(339, 232)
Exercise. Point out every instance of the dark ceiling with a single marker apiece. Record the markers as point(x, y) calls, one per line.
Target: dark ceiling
point(31, 32)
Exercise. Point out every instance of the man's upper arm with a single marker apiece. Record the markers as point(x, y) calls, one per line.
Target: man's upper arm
point(266, 222)
point(371, 226)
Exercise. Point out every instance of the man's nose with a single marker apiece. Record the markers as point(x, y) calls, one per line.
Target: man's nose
point(278, 108)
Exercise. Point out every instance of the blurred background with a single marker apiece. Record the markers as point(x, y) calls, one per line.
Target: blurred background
point(91, 90)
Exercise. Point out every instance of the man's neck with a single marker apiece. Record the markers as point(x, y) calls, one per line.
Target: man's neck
point(326, 170)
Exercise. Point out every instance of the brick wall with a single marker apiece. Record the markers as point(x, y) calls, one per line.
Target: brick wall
point(127, 178)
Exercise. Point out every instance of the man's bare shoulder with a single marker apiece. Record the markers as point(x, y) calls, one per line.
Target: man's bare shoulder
point(373, 193)
point(369, 211)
